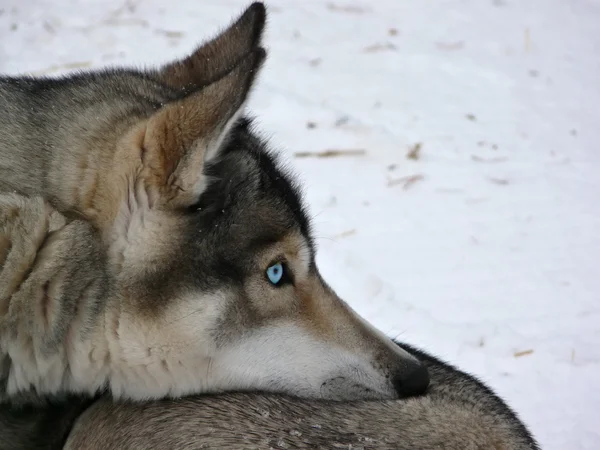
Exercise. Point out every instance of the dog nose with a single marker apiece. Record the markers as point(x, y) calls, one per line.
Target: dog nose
point(412, 382)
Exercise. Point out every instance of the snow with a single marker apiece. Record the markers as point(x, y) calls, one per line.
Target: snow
point(482, 250)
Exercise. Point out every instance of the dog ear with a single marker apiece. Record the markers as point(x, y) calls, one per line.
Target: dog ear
point(212, 60)
point(183, 136)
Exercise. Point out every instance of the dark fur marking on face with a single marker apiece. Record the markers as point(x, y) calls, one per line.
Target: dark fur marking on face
point(251, 202)
point(271, 177)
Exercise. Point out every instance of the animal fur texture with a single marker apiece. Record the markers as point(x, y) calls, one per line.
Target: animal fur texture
point(457, 413)
point(190, 211)
point(52, 284)
point(40, 426)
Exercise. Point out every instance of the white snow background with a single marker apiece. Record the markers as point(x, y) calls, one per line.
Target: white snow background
point(484, 249)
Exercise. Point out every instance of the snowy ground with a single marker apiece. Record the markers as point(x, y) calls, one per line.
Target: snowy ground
point(481, 248)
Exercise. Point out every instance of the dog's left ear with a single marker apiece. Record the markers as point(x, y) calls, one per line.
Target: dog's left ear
point(182, 136)
point(212, 60)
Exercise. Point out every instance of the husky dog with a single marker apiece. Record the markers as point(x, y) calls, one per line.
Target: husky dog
point(205, 262)
point(457, 412)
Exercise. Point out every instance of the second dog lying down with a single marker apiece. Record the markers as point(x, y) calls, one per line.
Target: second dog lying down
point(458, 412)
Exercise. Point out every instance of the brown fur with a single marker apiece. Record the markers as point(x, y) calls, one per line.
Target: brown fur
point(228, 49)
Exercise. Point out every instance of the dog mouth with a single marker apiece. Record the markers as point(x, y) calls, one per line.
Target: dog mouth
point(342, 388)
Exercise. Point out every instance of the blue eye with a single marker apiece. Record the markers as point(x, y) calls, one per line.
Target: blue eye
point(275, 273)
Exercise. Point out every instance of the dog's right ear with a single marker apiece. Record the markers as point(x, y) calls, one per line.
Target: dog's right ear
point(212, 60)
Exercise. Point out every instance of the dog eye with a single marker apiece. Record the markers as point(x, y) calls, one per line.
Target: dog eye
point(278, 274)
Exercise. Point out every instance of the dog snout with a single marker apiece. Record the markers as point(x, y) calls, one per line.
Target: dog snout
point(411, 381)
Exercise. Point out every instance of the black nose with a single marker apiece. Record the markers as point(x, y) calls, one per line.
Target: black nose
point(412, 382)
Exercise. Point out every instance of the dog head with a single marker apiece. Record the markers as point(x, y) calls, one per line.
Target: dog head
point(214, 256)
